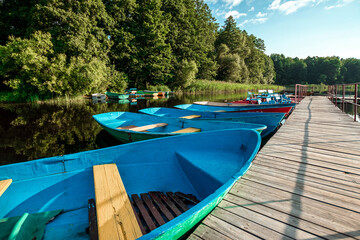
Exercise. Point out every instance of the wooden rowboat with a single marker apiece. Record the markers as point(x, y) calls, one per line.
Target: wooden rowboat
point(271, 120)
point(131, 127)
point(179, 179)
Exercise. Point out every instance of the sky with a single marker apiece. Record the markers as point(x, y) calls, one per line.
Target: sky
point(297, 28)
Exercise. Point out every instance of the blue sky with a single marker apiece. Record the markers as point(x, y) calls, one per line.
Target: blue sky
point(297, 28)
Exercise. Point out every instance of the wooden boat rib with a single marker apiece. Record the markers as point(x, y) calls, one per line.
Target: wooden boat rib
point(131, 127)
point(271, 120)
point(195, 164)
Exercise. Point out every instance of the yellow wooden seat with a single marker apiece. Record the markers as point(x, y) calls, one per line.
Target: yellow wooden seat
point(188, 130)
point(4, 184)
point(115, 216)
point(191, 116)
point(147, 127)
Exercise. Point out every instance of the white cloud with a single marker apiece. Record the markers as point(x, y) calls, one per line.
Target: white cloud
point(232, 3)
point(289, 6)
point(235, 14)
point(251, 9)
point(260, 15)
point(211, 1)
point(253, 21)
point(219, 12)
point(340, 3)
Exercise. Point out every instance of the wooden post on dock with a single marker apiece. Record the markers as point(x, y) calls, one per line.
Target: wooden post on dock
point(332, 93)
point(355, 102)
point(343, 100)
point(335, 95)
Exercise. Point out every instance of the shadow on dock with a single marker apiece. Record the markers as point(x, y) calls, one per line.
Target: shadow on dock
point(296, 205)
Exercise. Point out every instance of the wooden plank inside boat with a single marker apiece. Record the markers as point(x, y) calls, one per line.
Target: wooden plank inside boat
point(127, 127)
point(156, 208)
point(115, 216)
point(147, 127)
point(191, 116)
point(188, 130)
point(4, 184)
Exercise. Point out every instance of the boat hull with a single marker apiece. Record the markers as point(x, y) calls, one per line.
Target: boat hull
point(271, 120)
point(113, 120)
point(112, 95)
point(275, 108)
point(181, 164)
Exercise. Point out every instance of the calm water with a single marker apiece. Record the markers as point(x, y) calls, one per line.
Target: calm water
point(32, 131)
point(349, 109)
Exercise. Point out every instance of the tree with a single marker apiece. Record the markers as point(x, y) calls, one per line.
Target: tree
point(121, 34)
point(15, 17)
point(351, 70)
point(151, 63)
point(186, 74)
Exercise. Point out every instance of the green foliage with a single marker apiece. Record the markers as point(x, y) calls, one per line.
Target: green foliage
point(241, 57)
point(218, 86)
point(232, 68)
point(315, 70)
point(350, 70)
point(31, 68)
point(54, 48)
point(163, 88)
point(186, 74)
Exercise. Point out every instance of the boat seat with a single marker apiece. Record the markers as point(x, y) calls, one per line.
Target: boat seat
point(220, 111)
point(130, 127)
point(4, 184)
point(188, 130)
point(191, 116)
point(115, 216)
point(147, 127)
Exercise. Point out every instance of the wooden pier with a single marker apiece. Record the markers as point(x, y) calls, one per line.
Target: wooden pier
point(303, 184)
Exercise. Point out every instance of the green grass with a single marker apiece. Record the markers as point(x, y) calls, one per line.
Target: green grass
point(162, 88)
point(220, 86)
point(14, 97)
point(199, 86)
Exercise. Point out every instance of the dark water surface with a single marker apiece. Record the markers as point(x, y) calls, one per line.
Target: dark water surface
point(33, 131)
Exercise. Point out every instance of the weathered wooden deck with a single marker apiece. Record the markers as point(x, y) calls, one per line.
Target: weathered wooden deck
point(303, 184)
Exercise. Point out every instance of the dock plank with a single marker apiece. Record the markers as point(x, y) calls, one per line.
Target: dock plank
point(303, 184)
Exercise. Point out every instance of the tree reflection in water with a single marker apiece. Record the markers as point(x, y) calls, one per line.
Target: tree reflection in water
point(33, 131)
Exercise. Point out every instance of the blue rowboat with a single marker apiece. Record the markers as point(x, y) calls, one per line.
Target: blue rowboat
point(131, 127)
point(219, 106)
point(271, 120)
point(112, 95)
point(195, 171)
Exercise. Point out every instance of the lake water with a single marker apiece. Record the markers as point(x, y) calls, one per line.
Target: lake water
point(33, 131)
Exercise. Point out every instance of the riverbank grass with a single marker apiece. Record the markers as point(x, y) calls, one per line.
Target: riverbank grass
point(219, 86)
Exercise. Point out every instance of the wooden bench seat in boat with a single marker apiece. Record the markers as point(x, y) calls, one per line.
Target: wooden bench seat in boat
point(130, 127)
point(188, 130)
point(191, 116)
point(115, 216)
point(4, 184)
point(147, 127)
